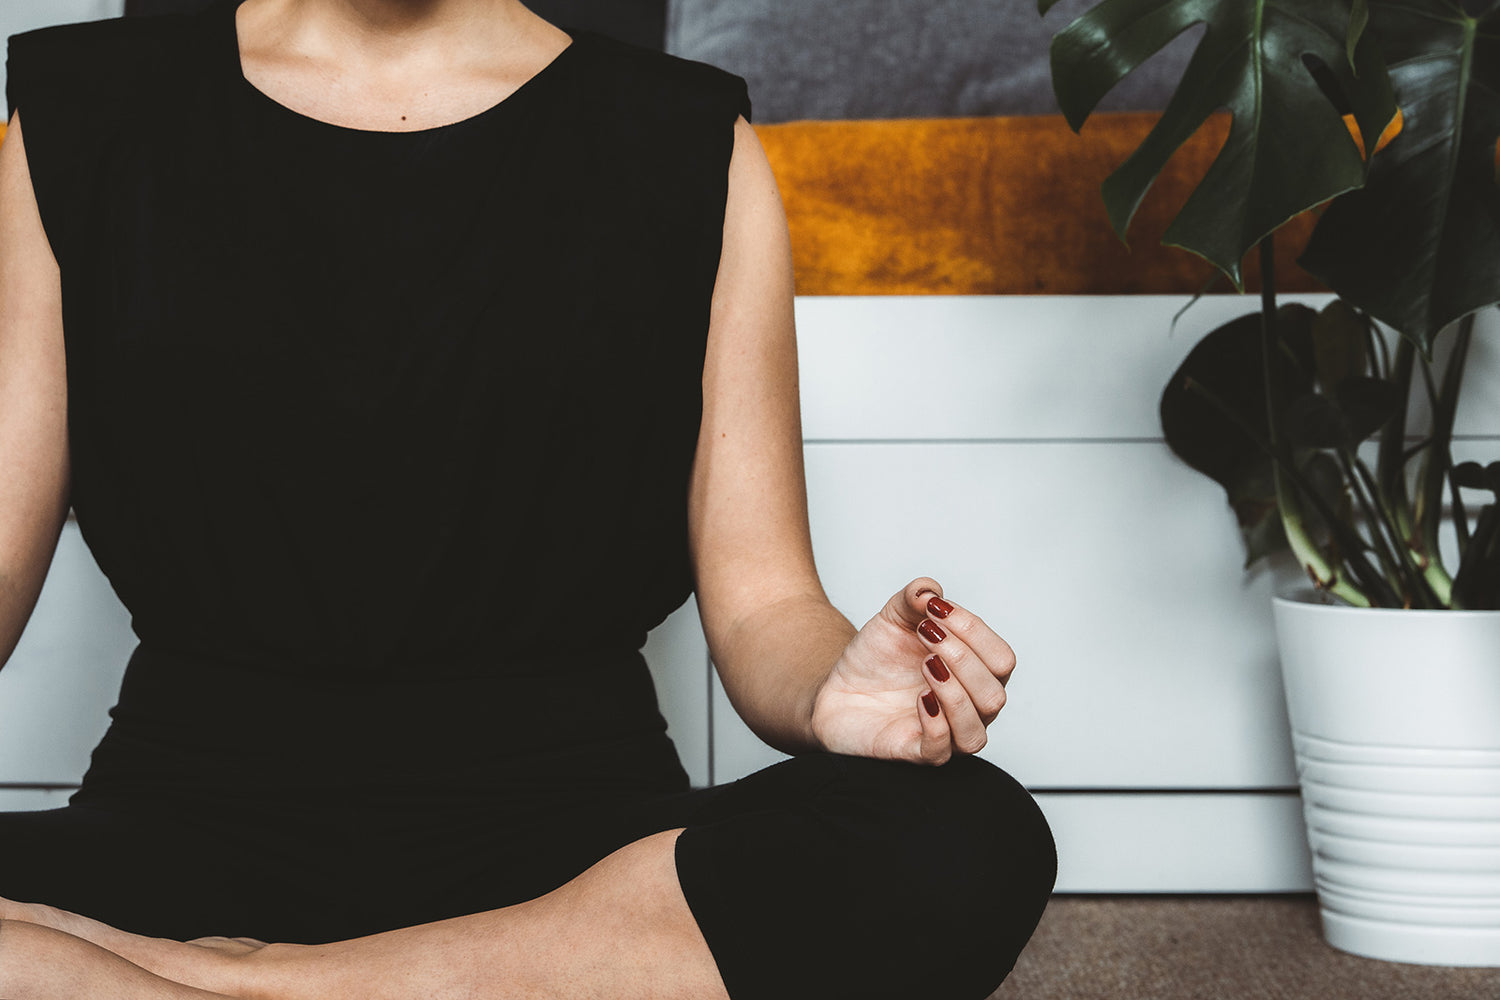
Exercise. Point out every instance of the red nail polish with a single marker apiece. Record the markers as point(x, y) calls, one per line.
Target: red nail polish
point(938, 667)
point(939, 608)
point(931, 632)
point(929, 702)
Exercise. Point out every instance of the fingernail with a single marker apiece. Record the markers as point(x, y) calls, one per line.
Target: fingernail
point(929, 702)
point(938, 668)
point(938, 608)
point(931, 632)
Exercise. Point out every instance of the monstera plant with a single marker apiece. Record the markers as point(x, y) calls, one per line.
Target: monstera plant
point(1381, 116)
point(1283, 407)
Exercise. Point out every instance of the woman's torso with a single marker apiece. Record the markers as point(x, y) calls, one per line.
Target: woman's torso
point(382, 437)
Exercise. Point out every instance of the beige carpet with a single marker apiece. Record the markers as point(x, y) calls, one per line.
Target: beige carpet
point(1213, 948)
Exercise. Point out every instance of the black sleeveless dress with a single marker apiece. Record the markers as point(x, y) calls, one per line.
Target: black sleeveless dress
point(384, 438)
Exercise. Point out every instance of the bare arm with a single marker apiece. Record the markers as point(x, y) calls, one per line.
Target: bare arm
point(924, 677)
point(770, 627)
point(34, 470)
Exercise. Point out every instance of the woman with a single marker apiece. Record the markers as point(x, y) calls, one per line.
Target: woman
point(419, 358)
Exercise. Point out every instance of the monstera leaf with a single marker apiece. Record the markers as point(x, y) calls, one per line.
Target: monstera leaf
point(1288, 148)
point(1211, 434)
point(1361, 406)
point(1419, 246)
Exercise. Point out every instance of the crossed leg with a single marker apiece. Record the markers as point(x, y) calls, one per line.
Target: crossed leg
point(40, 963)
point(621, 929)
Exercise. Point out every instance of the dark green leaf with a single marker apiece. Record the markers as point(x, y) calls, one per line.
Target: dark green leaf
point(1288, 149)
point(1322, 471)
point(1359, 16)
point(1315, 421)
point(1228, 363)
point(1339, 337)
point(1252, 497)
point(1419, 246)
point(1294, 329)
point(1367, 404)
point(1361, 407)
point(1476, 586)
point(1476, 477)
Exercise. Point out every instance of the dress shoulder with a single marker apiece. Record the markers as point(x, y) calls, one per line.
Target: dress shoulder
point(79, 87)
point(649, 79)
point(99, 61)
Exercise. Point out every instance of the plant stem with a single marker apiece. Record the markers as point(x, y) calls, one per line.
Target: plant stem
point(1460, 519)
point(1390, 563)
point(1411, 453)
point(1390, 464)
point(1439, 459)
point(1324, 573)
point(1414, 582)
point(1380, 363)
point(1270, 339)
point(1429, 385)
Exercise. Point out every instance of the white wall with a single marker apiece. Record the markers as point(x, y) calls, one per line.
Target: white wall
point(1009, 447)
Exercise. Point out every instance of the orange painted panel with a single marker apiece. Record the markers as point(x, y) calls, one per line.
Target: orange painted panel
point(998, 205)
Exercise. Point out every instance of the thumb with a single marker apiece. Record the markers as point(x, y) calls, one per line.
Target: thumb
point(908, 606)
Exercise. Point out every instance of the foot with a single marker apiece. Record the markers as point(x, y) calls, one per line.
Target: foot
point(41, 963)
point(204, 962)
point(58, 920)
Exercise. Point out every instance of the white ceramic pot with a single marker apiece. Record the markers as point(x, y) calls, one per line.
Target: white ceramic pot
point(1396, 723)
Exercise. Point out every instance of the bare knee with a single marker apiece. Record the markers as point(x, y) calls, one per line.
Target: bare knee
point(637, 876)
point(634, 895)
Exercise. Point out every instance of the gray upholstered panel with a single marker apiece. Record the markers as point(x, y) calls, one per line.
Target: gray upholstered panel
point(898, 58)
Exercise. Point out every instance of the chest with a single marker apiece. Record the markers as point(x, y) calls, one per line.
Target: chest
point(365, 288)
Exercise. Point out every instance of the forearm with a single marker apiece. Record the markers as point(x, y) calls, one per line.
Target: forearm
point(773, 661)
point(26, 550)
point(16, 605)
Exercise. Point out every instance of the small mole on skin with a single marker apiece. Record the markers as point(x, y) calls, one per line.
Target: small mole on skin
point(403, 118)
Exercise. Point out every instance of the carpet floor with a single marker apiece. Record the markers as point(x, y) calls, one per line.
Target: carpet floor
point(1213, 948)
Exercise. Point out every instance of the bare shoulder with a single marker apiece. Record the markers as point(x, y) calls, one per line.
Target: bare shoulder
point(23, 244)
point(749, 163)
point(755, 225)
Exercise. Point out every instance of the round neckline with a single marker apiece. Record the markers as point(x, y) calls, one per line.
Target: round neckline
point(527, 88)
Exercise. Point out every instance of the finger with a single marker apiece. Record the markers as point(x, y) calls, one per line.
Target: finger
point(968, 672)
point(908, 606)
point(969, 735)
point(998, 656)
point(958, 664)
point(936, 746)
point(955, 666)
